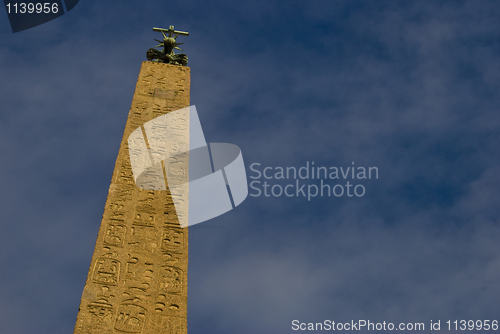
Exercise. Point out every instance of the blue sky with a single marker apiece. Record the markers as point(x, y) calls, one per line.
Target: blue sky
point(409, 87)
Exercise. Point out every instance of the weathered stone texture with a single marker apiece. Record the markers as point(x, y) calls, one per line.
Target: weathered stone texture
point(137, 281)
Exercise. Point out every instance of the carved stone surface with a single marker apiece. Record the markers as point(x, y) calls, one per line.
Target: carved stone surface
point(137, 281)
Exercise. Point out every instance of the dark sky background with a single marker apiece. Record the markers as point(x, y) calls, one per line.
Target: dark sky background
point(411, 87)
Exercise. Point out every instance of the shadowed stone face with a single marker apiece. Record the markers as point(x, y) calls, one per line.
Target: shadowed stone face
point(137, 281)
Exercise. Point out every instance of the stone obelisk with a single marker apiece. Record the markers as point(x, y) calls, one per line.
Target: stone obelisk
point(137, 281)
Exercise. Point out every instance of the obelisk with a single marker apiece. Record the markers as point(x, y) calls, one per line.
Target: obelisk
point(137, 281)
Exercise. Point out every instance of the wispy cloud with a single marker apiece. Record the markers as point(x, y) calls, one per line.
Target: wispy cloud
point(408, 87)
